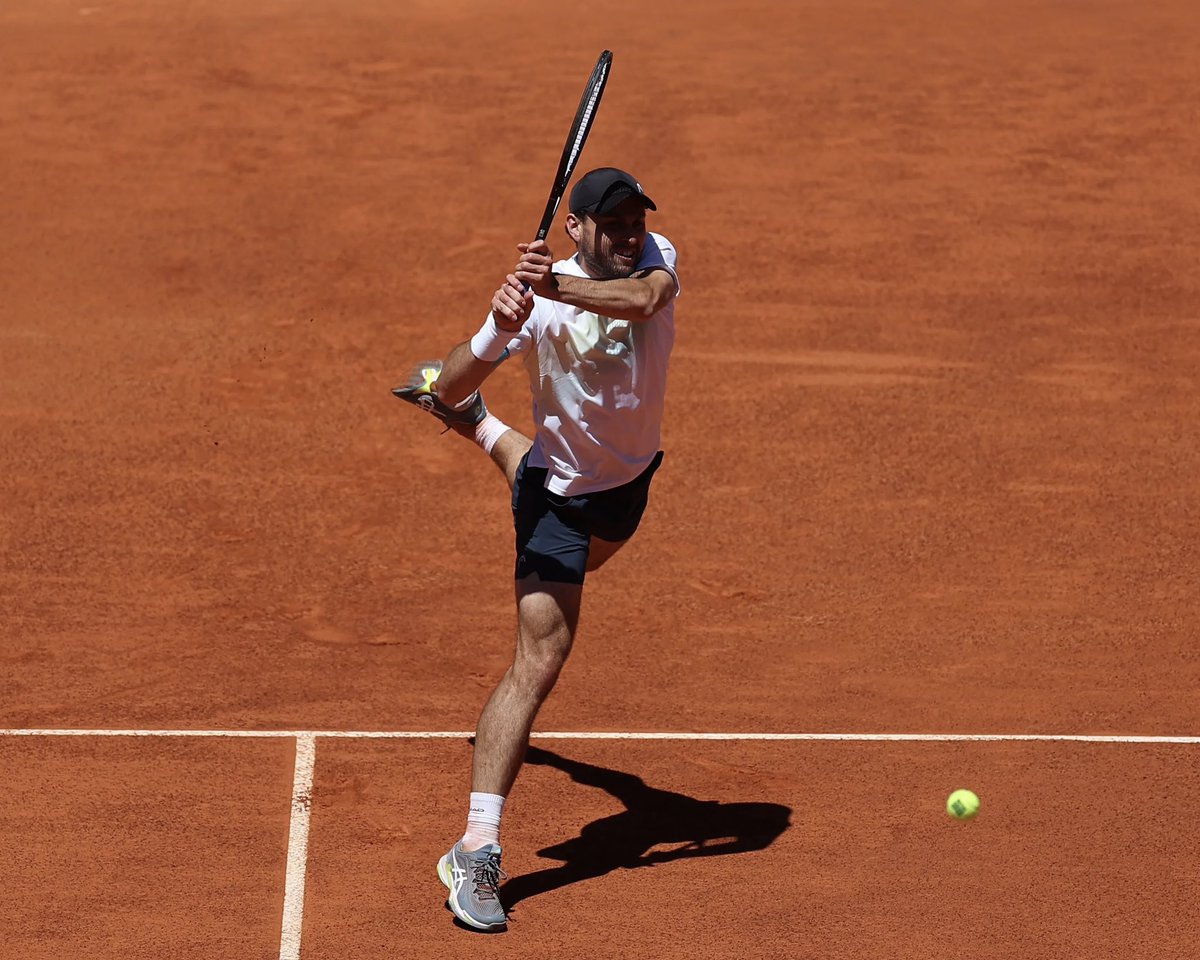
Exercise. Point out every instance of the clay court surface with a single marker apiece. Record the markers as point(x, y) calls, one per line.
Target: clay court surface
point(932, 447)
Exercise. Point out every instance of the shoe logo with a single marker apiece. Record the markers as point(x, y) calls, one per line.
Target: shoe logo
point(425, 402)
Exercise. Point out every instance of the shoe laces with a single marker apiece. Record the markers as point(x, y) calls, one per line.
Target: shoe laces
point(487, 878)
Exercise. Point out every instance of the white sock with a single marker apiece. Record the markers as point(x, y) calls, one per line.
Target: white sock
point(488, 431)
point(483, 821)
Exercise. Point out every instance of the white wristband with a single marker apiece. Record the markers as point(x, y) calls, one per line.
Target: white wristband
point(490, 343)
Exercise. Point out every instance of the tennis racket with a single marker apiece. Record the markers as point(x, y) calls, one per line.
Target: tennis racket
point(584, 115)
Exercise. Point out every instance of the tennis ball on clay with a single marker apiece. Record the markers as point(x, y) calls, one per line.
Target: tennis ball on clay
point(962, 805)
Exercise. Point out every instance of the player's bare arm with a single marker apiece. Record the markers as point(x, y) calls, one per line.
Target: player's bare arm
point(636, 297)
point(462, 372)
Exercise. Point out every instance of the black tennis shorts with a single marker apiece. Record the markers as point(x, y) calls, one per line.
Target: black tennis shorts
point(554, 532)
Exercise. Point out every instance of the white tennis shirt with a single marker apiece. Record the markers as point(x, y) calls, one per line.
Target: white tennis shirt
point(598, 384)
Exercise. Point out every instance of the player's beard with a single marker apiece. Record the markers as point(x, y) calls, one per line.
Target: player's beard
point(609, 264)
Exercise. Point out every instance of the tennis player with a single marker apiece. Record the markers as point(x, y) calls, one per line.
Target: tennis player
point(595, 331)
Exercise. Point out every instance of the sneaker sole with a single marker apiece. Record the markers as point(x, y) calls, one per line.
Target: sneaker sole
point(424, 401)
point(443, 869)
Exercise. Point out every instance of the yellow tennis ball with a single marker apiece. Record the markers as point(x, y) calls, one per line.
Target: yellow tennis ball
point(962, 805)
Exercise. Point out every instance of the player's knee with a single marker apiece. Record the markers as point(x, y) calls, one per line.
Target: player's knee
point(542, 650)
point(536, 667)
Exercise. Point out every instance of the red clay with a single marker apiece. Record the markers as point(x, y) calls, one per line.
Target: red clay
point(931, 456)
point(117, 847)
point(1073, 855)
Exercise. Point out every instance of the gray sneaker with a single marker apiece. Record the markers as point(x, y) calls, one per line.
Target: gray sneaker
point(473, 880)
point(419, 392)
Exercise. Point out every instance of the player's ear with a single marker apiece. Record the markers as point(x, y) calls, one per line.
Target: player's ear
point(574, 227)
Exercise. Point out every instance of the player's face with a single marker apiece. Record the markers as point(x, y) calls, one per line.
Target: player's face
point(611, 244)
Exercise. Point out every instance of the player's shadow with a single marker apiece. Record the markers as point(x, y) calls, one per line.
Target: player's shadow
point(652, 819)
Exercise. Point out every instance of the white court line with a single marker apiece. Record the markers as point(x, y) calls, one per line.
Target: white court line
point(601, 735)
point(297, 851)
point(306, 746)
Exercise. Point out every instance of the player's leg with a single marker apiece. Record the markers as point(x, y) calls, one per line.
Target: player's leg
point(469, 419)
point(552, 556)
point(616, 514)
point(549, 574)
point(601, 550)
point(499, 441)
point(547, 616)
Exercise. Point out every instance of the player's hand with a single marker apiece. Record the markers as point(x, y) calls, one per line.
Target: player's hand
point(534, 266)
point(512, 305)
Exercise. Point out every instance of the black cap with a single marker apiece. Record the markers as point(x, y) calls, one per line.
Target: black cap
point(598, 191)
